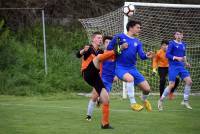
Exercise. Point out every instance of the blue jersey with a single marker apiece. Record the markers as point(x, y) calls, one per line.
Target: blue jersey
point(108, 74)
point(175, 49)
point(128, 57)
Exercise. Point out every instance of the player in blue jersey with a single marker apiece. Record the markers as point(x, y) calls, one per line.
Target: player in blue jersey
point(176, 54)
point(126, 61)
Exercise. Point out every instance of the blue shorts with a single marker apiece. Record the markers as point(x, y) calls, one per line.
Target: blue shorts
point(177, 70)
point(138, 77)
point(108, 84)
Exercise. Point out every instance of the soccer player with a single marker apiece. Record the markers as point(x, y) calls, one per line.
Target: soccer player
point(107, 75)
point(91, 57)
point(126, 61)
point(160, 62)
point(176, 54)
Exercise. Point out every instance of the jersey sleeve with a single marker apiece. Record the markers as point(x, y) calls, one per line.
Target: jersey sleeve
point(169, 51)
point(155, 61)
point(141, 53)
point(112, 43)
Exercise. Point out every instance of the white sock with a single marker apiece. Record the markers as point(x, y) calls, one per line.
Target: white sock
point(131, 92)
point(144, 96)
point(90, 109)
point(186, 92)
point(165, 93)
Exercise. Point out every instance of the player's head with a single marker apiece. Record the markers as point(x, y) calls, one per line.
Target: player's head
point(97, 38)
point(164, 44)
point(106, 41)
point(133, 27)
point(178, 35)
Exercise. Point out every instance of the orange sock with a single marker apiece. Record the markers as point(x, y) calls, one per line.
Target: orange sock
point(105, 114)
point(106, 55)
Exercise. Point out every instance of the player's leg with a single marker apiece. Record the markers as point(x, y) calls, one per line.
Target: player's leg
point(188, 83)
point(171, 94)
point(140, 81)
point(131, 94)
point(104, 97)
point(173, 72)
point(102, 57)
point(162, 74)
point(91, 105)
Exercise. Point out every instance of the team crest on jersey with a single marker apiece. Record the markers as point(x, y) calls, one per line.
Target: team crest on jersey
point(135, 44)
point(124, 40)
point(176, 46)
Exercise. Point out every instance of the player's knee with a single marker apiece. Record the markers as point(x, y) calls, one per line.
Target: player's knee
point(189, 82)
point(129, 79)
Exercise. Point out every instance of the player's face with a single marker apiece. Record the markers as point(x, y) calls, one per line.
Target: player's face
point(178, 36)
point(97, 39)
point(164, 47)
point(136, 29)
point(106, 42)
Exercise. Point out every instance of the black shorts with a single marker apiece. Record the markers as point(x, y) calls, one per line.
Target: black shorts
point(92, 77)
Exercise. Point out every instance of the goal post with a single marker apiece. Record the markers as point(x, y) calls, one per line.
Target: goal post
point(42, 18)
point(159, 21)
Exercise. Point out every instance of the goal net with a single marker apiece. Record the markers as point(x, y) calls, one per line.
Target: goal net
point(159, 21)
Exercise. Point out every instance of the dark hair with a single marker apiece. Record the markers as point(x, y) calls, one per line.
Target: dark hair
point(178, 30)
point(132, 23)
point(164, 42)
point(96, 33)
point(107, 38)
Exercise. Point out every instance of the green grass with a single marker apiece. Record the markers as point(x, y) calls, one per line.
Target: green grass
point(59, 114)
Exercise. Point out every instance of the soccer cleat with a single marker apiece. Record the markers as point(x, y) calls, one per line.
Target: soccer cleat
point(107, 126)
point(136, 107)
point(147, 105)
point(117, 47)
point(160, 105)
point(89, 118)
point(171, 96)
point(186, 104)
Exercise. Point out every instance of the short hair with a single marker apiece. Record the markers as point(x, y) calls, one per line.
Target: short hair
point(107, 38)
point(178, 30)
point(164, 42)
point(96, 33)
point(132, 23)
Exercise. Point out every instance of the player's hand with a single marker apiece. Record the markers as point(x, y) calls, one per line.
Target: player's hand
point(178, 58)
point(154, 72)
point(187, 64)
point(150, 54)
point(124, 46)
point(86, 48)
point(115, 79)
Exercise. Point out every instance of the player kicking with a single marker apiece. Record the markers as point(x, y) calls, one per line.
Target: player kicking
point(108, 77)
point(91, 58)
point(126, 61)
point(177, 60)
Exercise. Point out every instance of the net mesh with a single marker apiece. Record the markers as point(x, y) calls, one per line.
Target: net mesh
point(157, 23)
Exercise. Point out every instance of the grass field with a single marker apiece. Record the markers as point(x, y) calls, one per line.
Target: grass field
point(65, 114)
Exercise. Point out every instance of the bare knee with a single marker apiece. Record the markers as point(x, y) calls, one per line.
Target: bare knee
point(128, 77)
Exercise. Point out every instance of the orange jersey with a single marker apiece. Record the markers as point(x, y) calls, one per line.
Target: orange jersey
point(160, 60)
point(89, 56)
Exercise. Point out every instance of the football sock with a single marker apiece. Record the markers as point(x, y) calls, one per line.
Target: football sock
point(91, 106)
point(105, 114)
point(186, 92)
point(131, 93)
point(144, 95)
point(165, 93)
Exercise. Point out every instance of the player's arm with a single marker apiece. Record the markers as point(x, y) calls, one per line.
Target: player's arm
point(186, 62)
point(83, 51)
point(141, 53)
point(112, 43)
point(155, 63)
